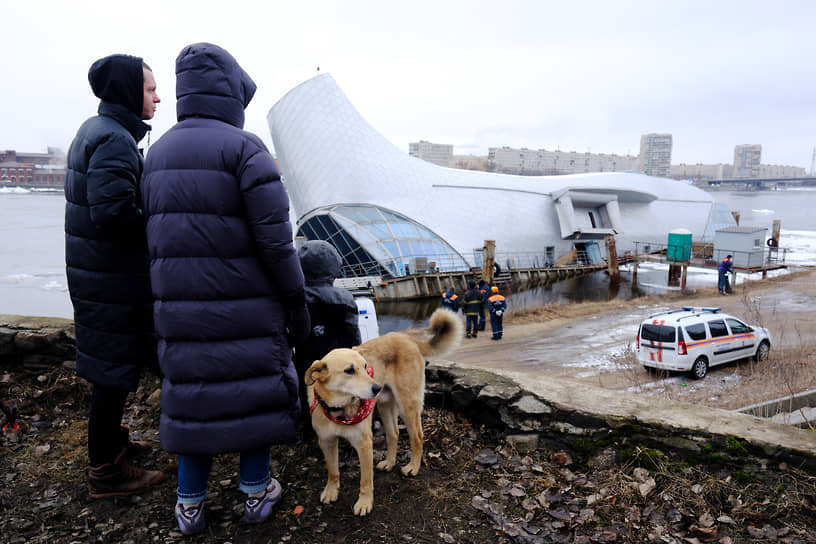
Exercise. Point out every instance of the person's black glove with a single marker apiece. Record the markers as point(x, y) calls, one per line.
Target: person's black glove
point(298, 324)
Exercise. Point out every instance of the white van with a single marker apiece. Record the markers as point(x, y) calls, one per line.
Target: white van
point(693, 339)
point(367, 318)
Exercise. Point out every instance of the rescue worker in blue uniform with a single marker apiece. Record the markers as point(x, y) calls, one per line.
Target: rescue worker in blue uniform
point(498, 305)
point(472, 305)
point(483, 290)
point(723, 271)
point(450, 300)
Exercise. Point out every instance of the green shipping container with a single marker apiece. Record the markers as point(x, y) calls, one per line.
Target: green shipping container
point(679, 249)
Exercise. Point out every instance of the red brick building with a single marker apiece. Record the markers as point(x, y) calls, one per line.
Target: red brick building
point(32, 169)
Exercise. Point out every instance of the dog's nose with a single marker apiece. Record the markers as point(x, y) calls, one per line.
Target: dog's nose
point(375, 389)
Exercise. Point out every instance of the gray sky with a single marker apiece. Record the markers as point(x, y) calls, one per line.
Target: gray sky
point(591, 75)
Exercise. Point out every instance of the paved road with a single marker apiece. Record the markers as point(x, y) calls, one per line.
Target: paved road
point(592, 349)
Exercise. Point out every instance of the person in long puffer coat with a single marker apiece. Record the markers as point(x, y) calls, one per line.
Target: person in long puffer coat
point(333, 312)
point(228, 287)
point(107, 266)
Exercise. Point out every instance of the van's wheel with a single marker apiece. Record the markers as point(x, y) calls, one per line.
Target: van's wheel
point(762, 351)
point(699, 369)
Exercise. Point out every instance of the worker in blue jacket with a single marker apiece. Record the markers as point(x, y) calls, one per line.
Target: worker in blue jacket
point(450, 300)
point(723, 271)
point(498, 305)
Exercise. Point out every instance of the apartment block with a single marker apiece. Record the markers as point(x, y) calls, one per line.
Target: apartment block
point(771, 171)
point(439, 154)
point(538, 162)
point(655, 154)
point(747, 159)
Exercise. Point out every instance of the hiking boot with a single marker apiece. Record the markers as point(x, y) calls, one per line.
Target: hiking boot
point(137, 448)
point(120, 478)
point(190, 518)
point(134, 448)
point(257, 509)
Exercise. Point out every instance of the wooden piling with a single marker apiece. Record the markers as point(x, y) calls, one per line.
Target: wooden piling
point(612, 260)
point(489, 260)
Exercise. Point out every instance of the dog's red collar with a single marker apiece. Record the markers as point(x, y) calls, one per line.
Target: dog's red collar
point(365, 409)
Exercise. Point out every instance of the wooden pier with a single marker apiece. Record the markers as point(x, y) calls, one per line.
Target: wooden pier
point(419, 286)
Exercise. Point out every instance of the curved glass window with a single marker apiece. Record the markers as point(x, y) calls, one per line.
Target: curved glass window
point(720, 217)
point(377, 242)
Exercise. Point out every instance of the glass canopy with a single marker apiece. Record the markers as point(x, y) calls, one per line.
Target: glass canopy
point(377, 242)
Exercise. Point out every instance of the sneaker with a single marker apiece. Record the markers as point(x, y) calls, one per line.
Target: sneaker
point(120, 478)
point(257, 509)
point(190, 518)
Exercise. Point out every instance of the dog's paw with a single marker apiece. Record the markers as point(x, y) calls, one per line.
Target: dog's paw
point(329, 495)
point(410, 469)
point(363, 506)
point(385, 465)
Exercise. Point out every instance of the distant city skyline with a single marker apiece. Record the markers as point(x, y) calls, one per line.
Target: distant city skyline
point(589, 75)
point(654, 159)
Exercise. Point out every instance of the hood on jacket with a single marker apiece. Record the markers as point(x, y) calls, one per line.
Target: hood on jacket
point(119, 79)
point(320, 262)
point(210, 83)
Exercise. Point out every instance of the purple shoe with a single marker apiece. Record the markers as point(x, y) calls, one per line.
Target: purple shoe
point(257, 509)
point(190, 518)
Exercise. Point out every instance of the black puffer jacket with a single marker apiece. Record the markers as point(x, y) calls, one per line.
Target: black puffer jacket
point(333, 312)
point(105, 245)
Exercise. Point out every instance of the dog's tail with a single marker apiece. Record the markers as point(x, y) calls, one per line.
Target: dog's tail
point(446, 331)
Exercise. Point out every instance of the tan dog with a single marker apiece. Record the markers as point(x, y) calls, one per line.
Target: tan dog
point(339, 386)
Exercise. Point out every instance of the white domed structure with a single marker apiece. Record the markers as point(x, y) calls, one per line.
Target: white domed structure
point(390, 214)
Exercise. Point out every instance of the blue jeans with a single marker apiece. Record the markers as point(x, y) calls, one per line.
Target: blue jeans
point(194, 471)
point(722, 282)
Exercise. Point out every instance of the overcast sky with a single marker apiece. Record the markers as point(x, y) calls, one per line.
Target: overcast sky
point(569, 74)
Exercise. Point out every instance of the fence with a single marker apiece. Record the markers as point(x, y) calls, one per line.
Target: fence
point(704, 253)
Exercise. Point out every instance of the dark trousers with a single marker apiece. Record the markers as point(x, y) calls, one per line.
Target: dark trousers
point(106, 436)
point(482, 323)
point(496, 325)
point(471, 324)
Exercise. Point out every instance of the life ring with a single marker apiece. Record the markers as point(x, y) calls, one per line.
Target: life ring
point(772, 242)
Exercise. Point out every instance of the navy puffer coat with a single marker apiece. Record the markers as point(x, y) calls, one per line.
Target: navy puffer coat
point(223, 268)
point(105, 248)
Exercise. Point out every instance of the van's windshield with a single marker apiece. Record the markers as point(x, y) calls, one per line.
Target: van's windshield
point(658, 333)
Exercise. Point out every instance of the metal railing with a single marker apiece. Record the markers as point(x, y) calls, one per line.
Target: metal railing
point(706, 254)
point(452, 263)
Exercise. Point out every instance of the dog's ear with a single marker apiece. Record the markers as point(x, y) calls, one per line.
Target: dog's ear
point(318, 371)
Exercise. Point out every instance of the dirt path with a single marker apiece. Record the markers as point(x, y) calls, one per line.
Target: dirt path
point(592, 342)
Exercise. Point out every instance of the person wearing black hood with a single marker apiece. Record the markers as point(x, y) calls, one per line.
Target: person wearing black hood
point(107, 266)
point(333, 312)
point(228, 288)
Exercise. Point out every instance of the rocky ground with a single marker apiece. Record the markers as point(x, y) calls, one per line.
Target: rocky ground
point(472, 488)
